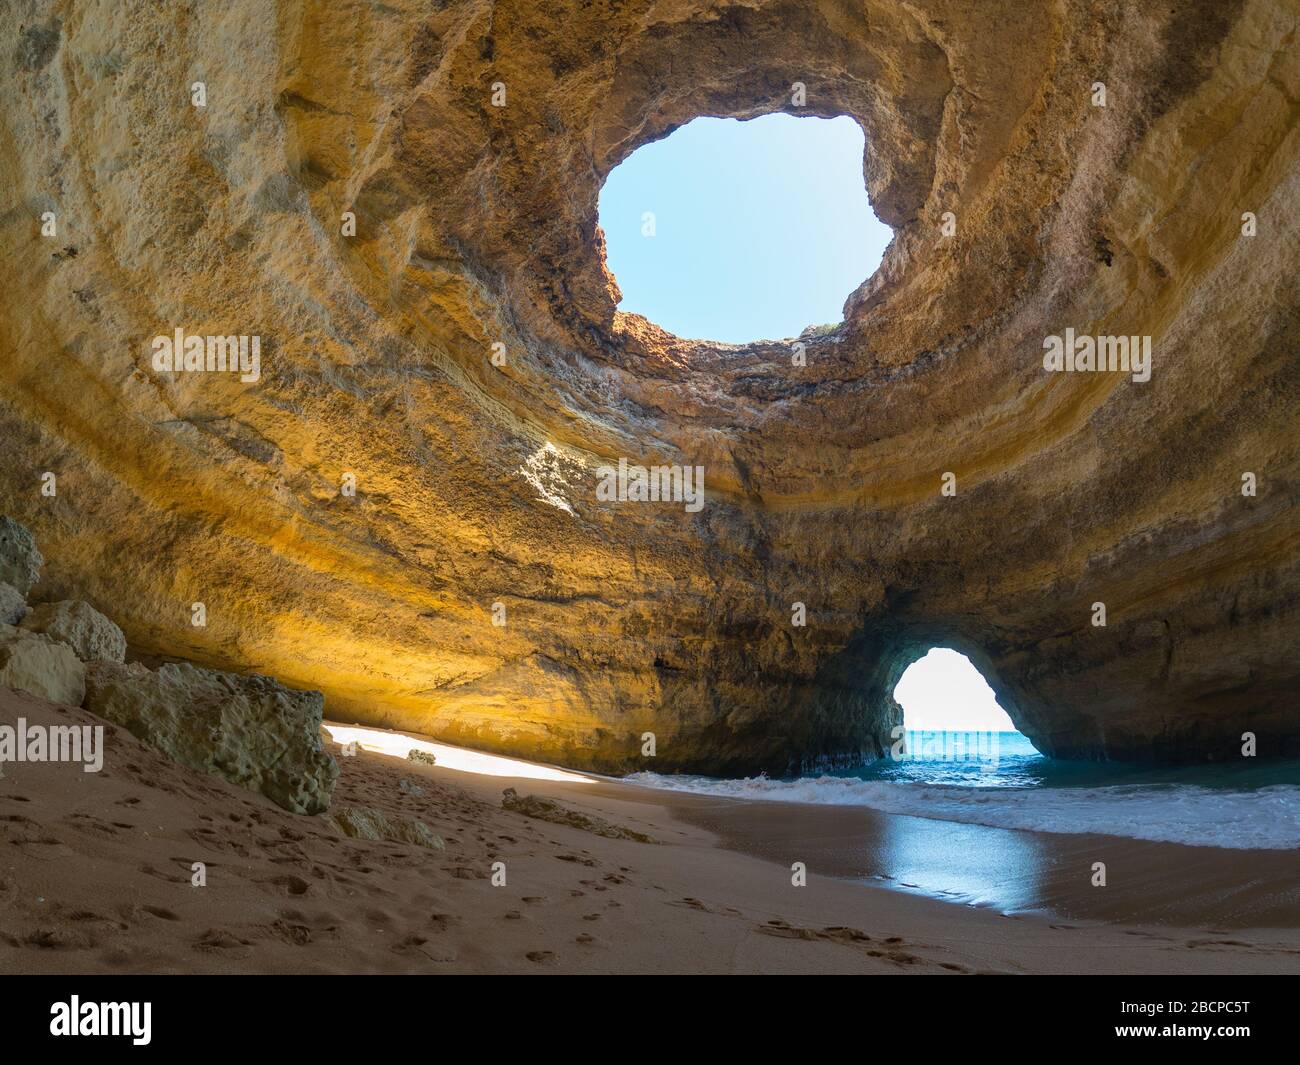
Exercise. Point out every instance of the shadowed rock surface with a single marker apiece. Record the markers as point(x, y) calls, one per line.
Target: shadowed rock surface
point(20, 561)
point(13, 604)
point(250, 730)
point(475, 484)
point(41, 665)
point(365, 822)
point(91, 636)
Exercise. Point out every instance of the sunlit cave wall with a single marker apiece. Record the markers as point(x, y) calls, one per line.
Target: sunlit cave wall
point(475, 226)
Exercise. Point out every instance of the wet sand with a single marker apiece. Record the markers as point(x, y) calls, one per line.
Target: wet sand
point(96, 877)
point(1019, 872)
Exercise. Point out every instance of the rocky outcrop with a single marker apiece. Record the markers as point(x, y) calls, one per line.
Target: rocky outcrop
point(388, 513)
point(250, 730)
point(39, 665)
point(368, 823)
point(20, 561)
point(13, 605)
point(83, 628)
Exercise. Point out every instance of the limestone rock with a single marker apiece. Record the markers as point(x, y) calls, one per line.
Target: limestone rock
point(20, 561)
point(423, 757)
point(83, 628)
point(478, 225)
point(41, 666)
point(543, 809)
point(250, 730)
point(13, 604)
point(365, 822)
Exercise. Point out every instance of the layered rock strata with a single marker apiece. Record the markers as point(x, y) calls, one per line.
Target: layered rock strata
point(251, 730)
point(356, 514)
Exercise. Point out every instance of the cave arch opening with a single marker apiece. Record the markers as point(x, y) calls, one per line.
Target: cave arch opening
point(951, 712)
point(739, 231)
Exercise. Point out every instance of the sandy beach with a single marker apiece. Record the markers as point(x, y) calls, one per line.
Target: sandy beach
point(96, 877)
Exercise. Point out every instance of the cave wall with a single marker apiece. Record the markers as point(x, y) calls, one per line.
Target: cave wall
point(475, 483)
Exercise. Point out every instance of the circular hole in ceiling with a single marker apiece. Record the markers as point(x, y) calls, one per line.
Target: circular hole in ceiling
point(737, 231)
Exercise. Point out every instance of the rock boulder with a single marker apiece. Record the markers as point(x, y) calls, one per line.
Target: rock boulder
point(83, 628)
point(38, 665)
point(365, 822)
point(250, 730)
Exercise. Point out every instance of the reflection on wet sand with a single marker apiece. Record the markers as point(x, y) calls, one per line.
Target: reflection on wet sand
point(1015, 871)
point(987, 867)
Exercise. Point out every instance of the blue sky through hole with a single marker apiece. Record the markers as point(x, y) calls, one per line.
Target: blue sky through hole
point(943, 691)
point(760, 228)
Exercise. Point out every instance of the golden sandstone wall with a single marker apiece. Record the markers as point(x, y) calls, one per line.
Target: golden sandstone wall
point(475, 226)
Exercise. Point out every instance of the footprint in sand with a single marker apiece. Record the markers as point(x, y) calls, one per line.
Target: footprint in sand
point(220, 941)
point(44, 848)
point(418, 945)
point(93, 825)
point(541, 957)
point(90, 917)
point(149, 870)
point(849, 935)
point(843, 935)
point(286, 885)
point(786, 931)
point(296, 934)
point(59, 939)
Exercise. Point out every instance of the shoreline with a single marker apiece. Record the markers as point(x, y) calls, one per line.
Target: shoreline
point(1009, 870)
point(1017, 870)
point(95, 876)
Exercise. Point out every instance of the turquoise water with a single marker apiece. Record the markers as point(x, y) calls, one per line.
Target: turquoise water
point(1000, 780)
point(1009, 760)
